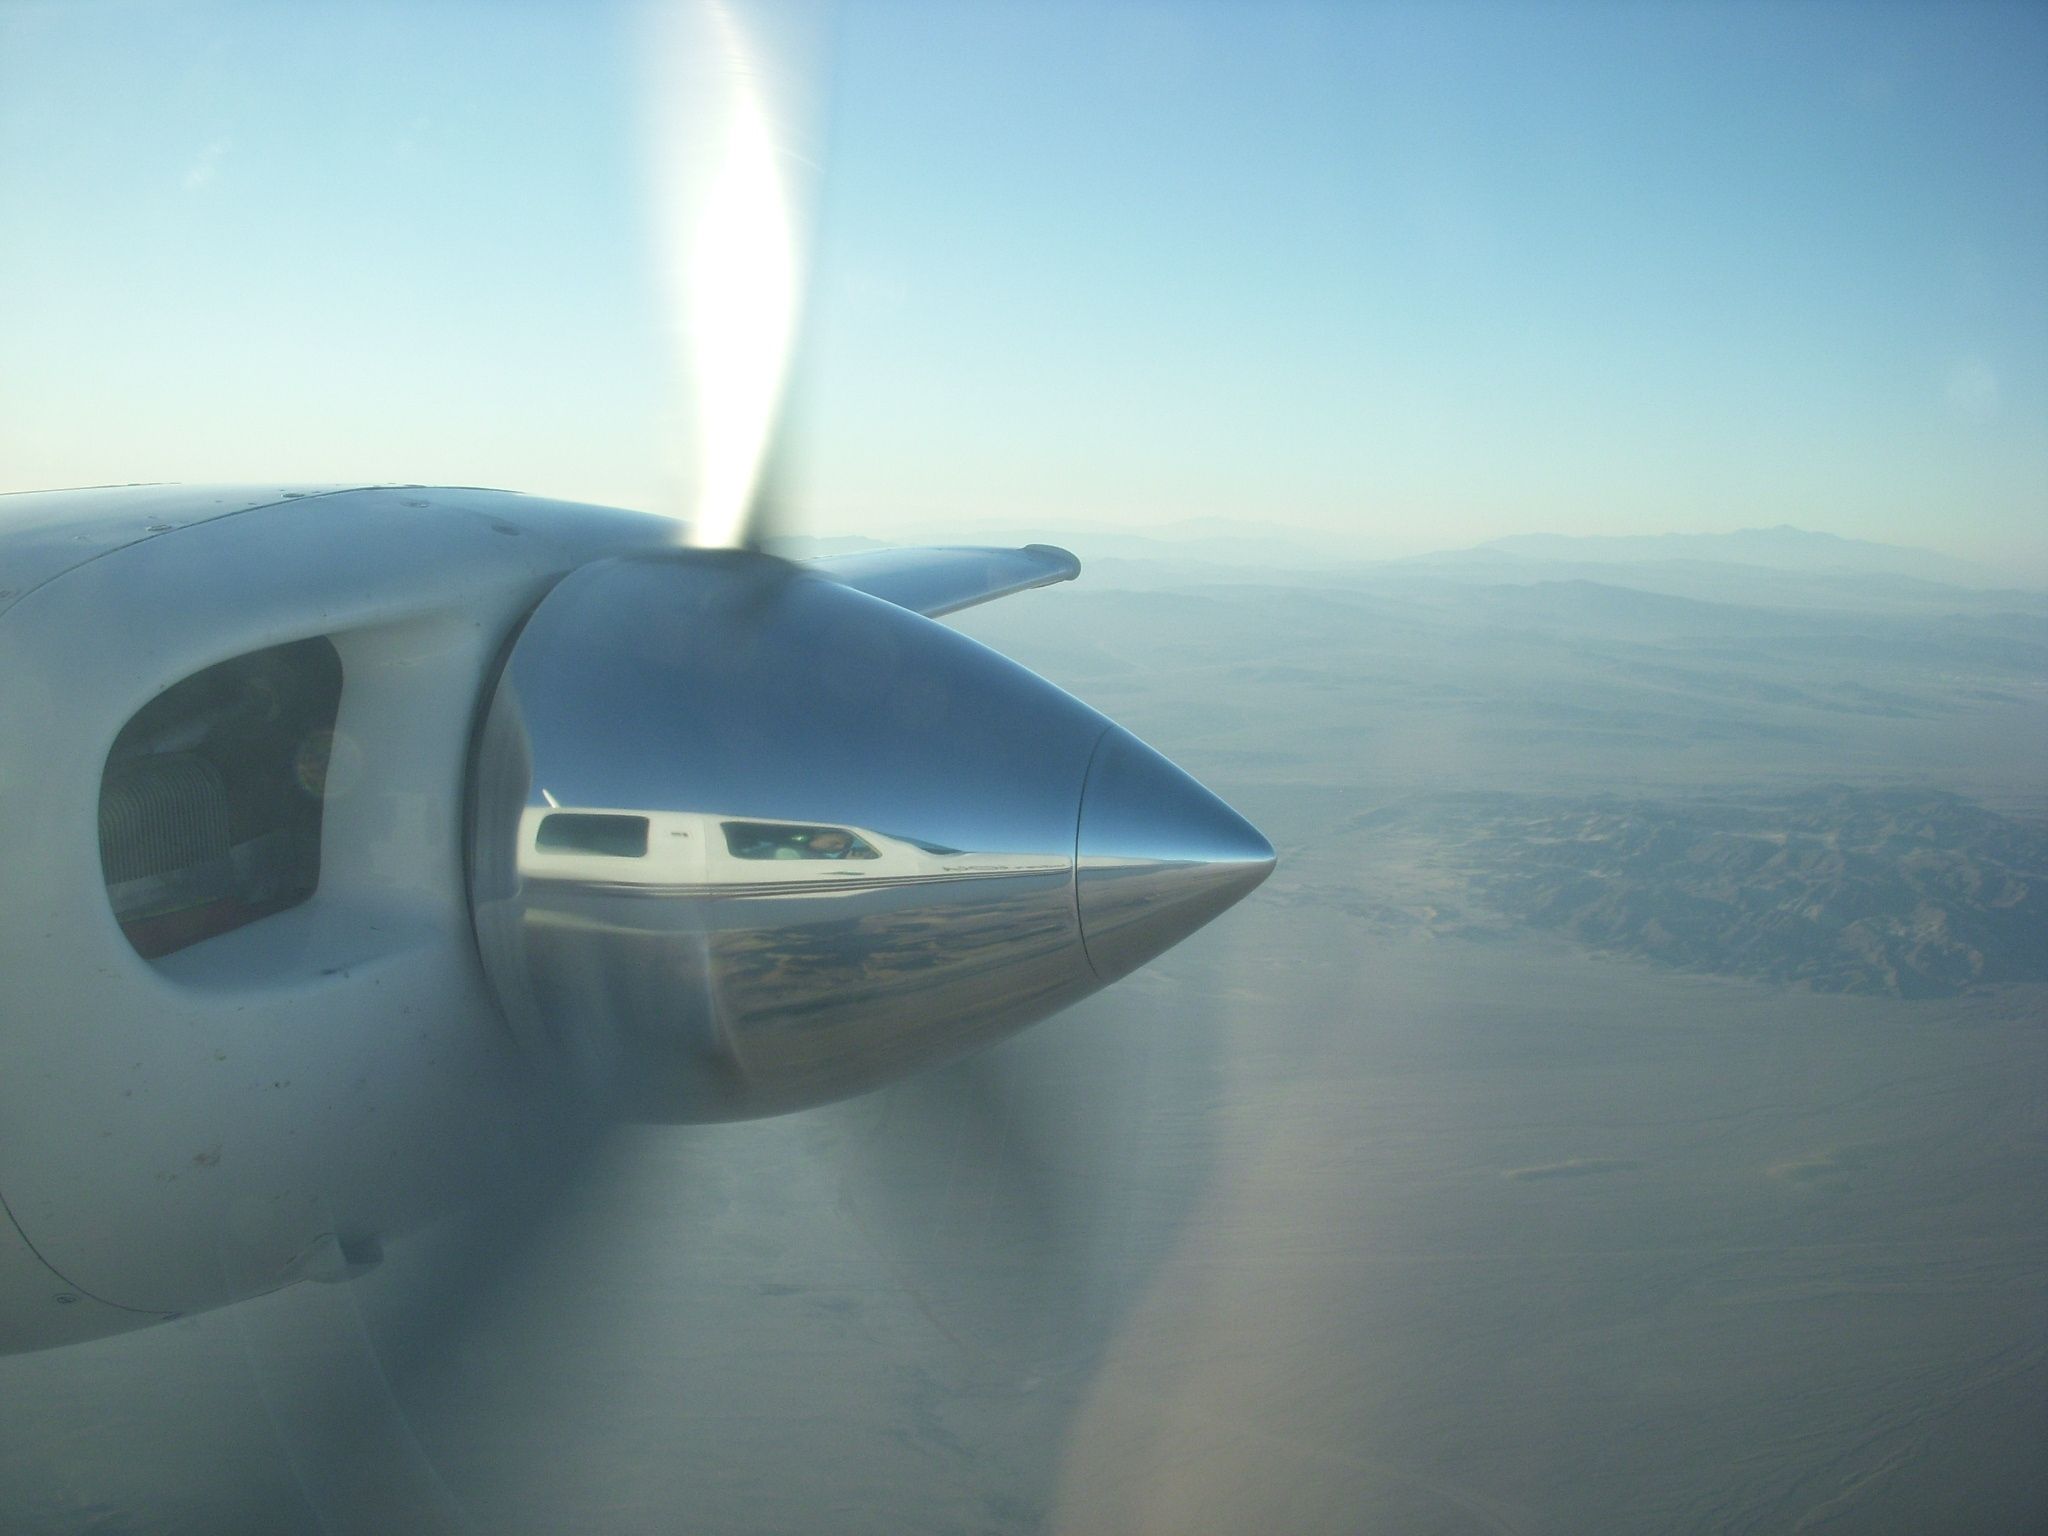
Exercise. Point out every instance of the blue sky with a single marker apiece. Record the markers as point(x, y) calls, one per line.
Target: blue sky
point(1412, 275)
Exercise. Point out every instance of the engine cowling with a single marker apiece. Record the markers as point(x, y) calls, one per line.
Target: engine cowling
point(746, 840)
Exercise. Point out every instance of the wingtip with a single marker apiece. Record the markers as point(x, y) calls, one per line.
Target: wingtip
point(1068, 562)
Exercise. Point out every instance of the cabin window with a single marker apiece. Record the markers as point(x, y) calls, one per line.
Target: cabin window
point(211, 800)
point(615, 837)
point(785, 840)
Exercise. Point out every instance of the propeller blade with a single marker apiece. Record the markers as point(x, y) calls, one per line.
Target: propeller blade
point(733, 191)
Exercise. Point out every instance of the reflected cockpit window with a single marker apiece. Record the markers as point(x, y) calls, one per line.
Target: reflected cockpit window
point(788, 840)
point(618, 837)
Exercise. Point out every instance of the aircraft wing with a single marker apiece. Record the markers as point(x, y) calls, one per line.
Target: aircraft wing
point(935, 581)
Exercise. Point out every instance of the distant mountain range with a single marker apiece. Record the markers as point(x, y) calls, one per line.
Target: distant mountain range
point(1783, 548)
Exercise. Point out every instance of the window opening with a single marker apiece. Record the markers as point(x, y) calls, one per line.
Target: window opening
point(784, 840)
point(617, 837)
point(211, 801)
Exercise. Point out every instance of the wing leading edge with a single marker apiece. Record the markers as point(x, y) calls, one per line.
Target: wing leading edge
point(945, 579)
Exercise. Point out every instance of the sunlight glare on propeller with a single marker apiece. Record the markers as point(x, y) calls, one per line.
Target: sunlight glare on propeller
point(731, 194)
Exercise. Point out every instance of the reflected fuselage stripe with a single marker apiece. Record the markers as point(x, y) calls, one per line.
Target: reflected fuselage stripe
point(788, 887)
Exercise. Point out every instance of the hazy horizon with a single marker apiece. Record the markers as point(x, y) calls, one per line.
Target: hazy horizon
point(1259, 542)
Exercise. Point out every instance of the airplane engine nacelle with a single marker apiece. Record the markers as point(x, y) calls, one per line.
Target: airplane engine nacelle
point(745, 840)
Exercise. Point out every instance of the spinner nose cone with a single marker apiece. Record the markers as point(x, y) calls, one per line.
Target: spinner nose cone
point(1158, 856)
